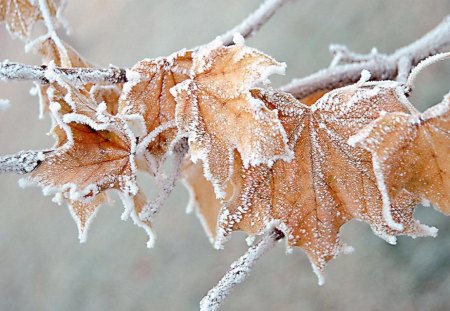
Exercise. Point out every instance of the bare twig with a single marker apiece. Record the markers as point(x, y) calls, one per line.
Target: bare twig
point(21, 163)
point(249, 26)
point(381, 68)
point(239, 271)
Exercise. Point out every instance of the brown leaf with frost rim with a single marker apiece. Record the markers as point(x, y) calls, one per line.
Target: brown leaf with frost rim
point(21, 15)
point(202, 197)
point(147, 99)
point(93, 154)
point(218, 115)
point(99, 93)
point(412, 152)
point(327, 184)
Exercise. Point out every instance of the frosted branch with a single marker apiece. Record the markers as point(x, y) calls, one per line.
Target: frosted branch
point(249, 26)
point(239, 271)
point(167, 184)
point(381, 68)
point(43, 7)
point(341, 54)
point(21, 163)
point(22, 72)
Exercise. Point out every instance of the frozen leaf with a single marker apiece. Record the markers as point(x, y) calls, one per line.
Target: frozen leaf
point(218, 115)
point(412, 151)
point(203, 198)
point(327, 184)
point(147, 99)
point(94, 150)
point(88, 161)
point(21, 15)
point(83, 213)
point(48, 50)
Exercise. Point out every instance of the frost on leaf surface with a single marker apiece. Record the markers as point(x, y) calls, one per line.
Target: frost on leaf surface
point(50, 53)
point(94, 152)
point(412, 152)
point(21, 15)
point(218, 115)
point(147, 99)
point(328, 182)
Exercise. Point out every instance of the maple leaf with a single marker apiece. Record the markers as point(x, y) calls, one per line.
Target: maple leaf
point(217, 113)
point(93, 154)
point(327, 184)
point(51, 54)
point(21, 15)
point(202, 197)
point(412, 151)
point(147, 99)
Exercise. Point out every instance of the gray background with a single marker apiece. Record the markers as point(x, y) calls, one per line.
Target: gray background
point(42, 265)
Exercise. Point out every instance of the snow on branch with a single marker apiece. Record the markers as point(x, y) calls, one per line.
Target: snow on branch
point(239, 271)
point(22, 72)
point(249, 26)
point(381, 67)
point(21, 163)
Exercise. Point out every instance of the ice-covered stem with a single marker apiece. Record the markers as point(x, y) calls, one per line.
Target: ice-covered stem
point(48, 21)
point(381, 68)
point(167, 184)
point(21, 163)
point(239, 271)
point(22, 72)
point(249, 26)
point(341, 54)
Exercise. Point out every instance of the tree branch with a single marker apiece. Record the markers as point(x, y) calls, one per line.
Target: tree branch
point(21, 163)
point(381, 67)
point(249, 26)
point(22, 72)
point(239, 271)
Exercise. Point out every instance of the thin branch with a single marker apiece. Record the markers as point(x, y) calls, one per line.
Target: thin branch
point(239, 271)
point(22, 72)
point(249, 26)
point(48, 21)
point(166, 184)
point(21, 163)
point(381, 68)
point(343, 55)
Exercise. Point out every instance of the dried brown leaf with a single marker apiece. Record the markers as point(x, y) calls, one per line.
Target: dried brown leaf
point(217, 113)
point(147, 99)
point(412, 152)
point(21, 15)
point(327, 184)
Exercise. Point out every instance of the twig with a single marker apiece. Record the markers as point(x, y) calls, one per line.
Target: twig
point(249, 26)
point(21, 163)
point(381, 68)
point(64, 56)
point(166, 184)
point(343, 55)
point(239, 271)
point(22, 72)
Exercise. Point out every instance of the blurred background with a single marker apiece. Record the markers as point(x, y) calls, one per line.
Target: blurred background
point(44, 267)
